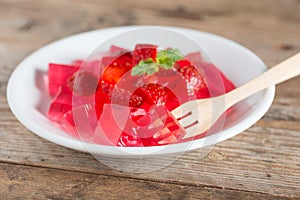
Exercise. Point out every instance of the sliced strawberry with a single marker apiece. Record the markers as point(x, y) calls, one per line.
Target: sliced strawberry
point(125, 98)
point(195, 83)
point(156, 94)
point(116, 67)
point(144, 52)
point(217, 82)
point(175, 86)
point(109, 93)
point(152, 93)
point(58, 74)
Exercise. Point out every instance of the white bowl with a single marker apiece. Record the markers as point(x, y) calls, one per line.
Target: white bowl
point(29, 101)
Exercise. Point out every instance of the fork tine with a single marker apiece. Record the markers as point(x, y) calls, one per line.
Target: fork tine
point(189, 120)
point(192, 131)
point(181, 111)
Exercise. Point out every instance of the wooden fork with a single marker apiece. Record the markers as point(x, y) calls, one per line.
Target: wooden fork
point(198, 116)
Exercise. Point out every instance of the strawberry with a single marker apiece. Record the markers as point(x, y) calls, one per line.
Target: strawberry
point(216, 81)
point(144, 52)
point(156, 94)
point(108, 93)
point(153, 93)
point(125, 98)
point(116, 67)
point(175, 85)
point(195, 83)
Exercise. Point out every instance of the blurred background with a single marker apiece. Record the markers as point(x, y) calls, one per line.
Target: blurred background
point(265, 26)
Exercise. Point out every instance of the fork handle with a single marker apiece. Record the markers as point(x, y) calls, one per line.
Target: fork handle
point(279, 73)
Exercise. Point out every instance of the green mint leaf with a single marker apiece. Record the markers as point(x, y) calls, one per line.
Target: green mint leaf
point(175, 54)
point(165, 62)
point(148, 67)
point(167, 58)
point(137, 71)
point(164, 59)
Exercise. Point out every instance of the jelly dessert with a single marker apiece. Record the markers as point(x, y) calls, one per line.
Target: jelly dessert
point(114, 100)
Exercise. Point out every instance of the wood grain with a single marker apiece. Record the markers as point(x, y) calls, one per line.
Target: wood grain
point(262, 159)
point(257, 164)
point(44, 183)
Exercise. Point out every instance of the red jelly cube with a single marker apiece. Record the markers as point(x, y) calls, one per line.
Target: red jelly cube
point(58, 75)
point(61, 104)
point(144, 52)
point(217, 82)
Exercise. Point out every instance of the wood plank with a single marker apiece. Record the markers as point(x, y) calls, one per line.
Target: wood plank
point(42, 183)
point(264, 159)
point(266, 37)
point(285, 109)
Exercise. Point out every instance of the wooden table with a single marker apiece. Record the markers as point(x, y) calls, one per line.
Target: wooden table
point(261, 163)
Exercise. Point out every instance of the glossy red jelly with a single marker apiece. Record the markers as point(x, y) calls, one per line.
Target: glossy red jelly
point(127, 91)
